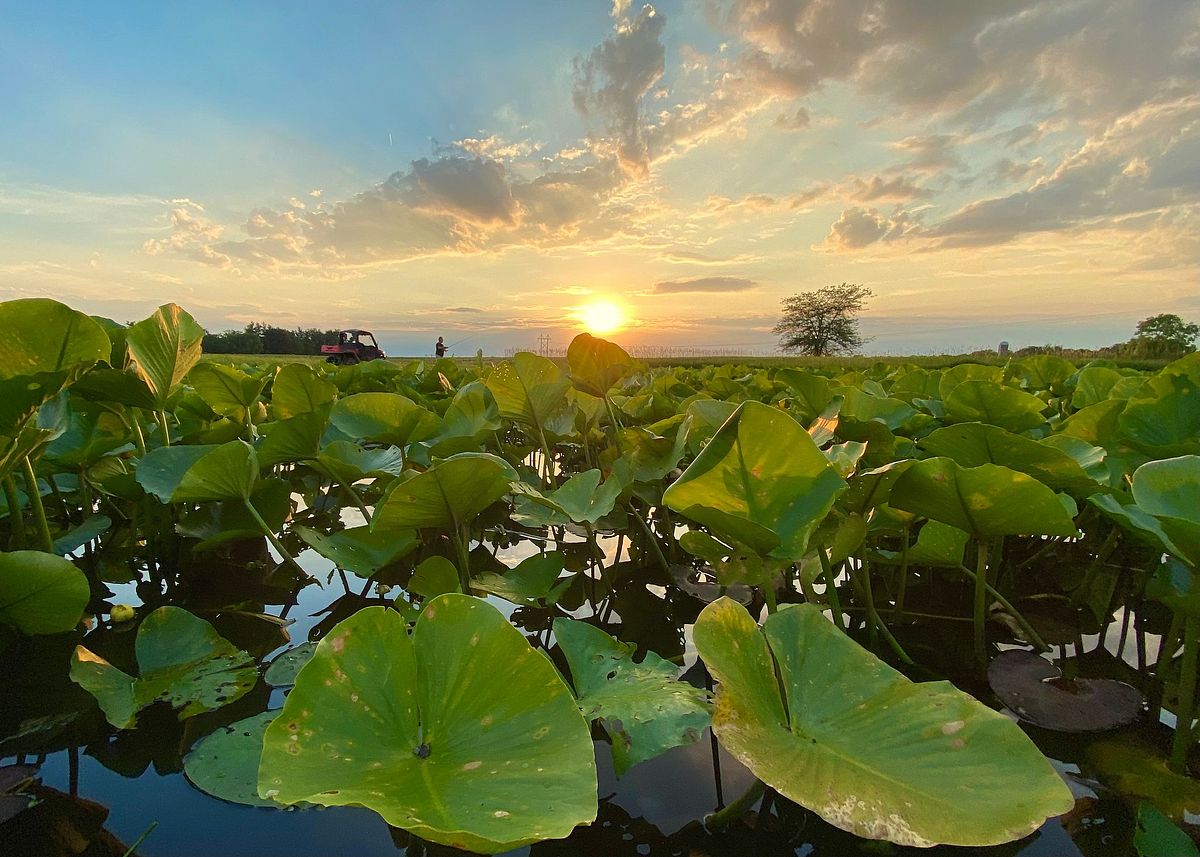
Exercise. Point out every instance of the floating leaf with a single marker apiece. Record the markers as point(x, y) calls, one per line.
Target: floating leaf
point(861, 745)
point(1036, 691)
point(533, 582)
point(41, 593)
point(360, 549)
point(182, 661)
point(433, 577)
point(461, 734)
point(224, 763)
point(1156, 836)
point(285, 667)
point(643, 706)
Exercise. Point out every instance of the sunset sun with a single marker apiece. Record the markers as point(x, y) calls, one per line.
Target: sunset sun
point(601, 317)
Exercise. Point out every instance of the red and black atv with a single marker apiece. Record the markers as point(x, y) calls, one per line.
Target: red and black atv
point(354, 346)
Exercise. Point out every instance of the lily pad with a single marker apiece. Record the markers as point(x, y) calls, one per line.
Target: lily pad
point(597, 364)
point(462, 733)
point(861, 745)
point(164, 348)
point(643, 706)
point(1035, 690)
point(433, 577)
point(286, 666)
point(41, 593)
point(384, 418)
point(224, 763)
point(533, 582)
point(182, 661)
point(360, 549)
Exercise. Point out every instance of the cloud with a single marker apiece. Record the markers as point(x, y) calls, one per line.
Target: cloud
point(877, 188)
point(612, 80)
point(703, 284)
point(796, 120)
point(497, 148)
point(859, 227)
point(1145, 162)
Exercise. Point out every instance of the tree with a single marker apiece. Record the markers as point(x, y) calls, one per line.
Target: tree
point(823, 322)
point(1163, 335)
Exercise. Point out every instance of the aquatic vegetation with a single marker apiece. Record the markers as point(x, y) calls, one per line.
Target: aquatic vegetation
point(443, 590)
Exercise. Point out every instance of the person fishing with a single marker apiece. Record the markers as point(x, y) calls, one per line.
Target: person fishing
point(440, 348)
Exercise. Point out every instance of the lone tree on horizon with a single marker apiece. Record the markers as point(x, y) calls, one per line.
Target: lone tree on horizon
point(823, 322)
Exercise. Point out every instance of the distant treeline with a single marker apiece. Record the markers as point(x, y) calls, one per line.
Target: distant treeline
point(260, 338)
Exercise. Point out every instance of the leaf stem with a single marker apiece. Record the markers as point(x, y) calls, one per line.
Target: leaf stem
point(722, 818)
point(835, 601)
point(16, 514)
point(980, 614)
point(35, 503)
point(273, 539)
point(1182, 741)
point(1031, 635)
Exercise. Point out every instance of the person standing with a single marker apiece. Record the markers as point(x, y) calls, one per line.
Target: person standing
point(440, 348)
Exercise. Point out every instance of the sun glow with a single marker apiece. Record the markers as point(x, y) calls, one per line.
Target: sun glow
point(601, 317)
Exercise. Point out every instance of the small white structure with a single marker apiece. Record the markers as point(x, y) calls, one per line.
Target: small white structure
point(1003, 349)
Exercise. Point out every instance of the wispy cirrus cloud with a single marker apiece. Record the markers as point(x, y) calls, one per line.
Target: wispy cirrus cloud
point(703, 284)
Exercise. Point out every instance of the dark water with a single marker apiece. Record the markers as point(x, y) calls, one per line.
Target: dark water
point(655, 809)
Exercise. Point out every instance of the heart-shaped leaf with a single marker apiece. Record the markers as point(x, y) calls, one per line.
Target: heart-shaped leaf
point(861, 745)
point(462, 733)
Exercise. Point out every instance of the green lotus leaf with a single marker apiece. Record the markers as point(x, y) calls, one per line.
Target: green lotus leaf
point(182, 661)
point(1096, 424)
point(219, 523)
point(1137, 521)
point(870, 488)
point(114, 386)
point(1177, 586)
point(462, 733)
point(955, 375)
point(348, 462)
point(448, 495)
point(642, 706)
point(384, 418)
point(433, 577)
point(533, 581)
point(297, 390)
point(760, 481)
point(41, 593)
point(1137, 772)
point(938, 545)
point(163, 349)
point(73, 539)
point(89, 433)
point(294, 439)
point(282, 672)
point(581, 498)
point(224, 763)
point(1157, 836)
point(1042, 372)
point(989, 402)
point(1169, 488)
point(529, 390)
point(597, 365)
point(858, 405)
point(194, 474)
point(470, 419)
point(845, 457)
point(812, 392)
point(228, 391)
point(861, 745)
point(973, 444)
point(707, 416)
point(1166, 426)
point(360, 549)
point(40, 337)
point(1093, 386)
point(650, 456)
point(985, 501)
point(1091, 458)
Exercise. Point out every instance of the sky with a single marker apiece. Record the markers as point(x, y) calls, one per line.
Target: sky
point(1019, 170)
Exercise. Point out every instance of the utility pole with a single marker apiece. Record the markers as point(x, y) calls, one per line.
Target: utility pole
point(544, 345)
